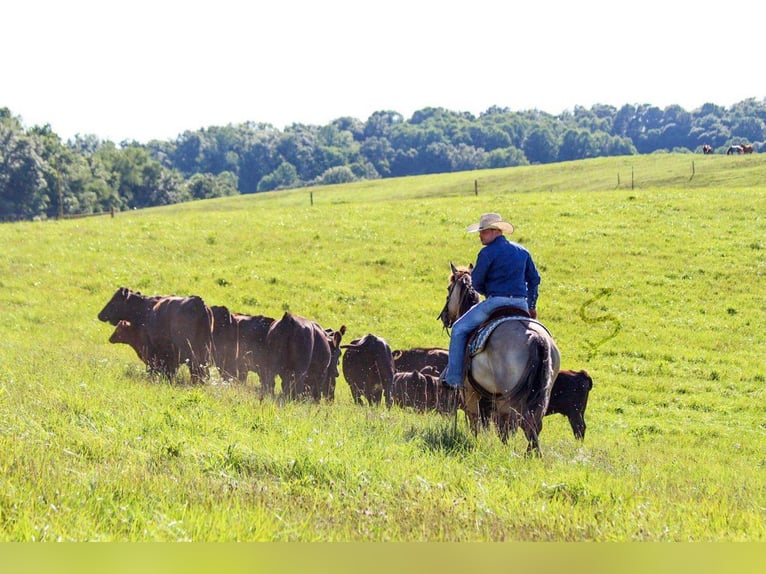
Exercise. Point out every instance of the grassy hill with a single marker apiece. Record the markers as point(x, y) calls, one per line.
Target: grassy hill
point(653, 270)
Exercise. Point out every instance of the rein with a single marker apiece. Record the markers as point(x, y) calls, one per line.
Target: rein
point(468, 298)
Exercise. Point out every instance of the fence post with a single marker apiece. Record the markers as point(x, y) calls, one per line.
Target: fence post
point(311, 197)
point(476, 187)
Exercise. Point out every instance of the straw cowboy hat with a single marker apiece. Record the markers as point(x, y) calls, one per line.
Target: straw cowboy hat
point(490, 221)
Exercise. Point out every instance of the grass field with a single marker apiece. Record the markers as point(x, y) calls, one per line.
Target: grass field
point(653, 270)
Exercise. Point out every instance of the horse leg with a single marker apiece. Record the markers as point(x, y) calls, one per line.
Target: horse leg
point(485, 412)
point(473, 409)
point(504, 426)
point(532, 424)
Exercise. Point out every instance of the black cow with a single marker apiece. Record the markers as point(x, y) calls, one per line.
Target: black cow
point(421, 357)
point(569, 397)
point(239, 342)
point(302, 354)
point(368, 368)
point(420, 391)
point(177, 330)
point(327, 389)
point(252, 340)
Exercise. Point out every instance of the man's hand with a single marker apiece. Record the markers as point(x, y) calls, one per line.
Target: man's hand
point(533, 313)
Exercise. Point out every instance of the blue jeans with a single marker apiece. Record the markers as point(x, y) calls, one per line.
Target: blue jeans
point(463, 328)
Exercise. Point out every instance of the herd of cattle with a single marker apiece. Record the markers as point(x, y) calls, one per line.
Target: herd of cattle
point(167, 332)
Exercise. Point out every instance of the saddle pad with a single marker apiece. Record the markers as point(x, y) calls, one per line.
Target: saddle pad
point(480, 337)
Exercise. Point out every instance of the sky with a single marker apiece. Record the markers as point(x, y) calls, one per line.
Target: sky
point(144, 70)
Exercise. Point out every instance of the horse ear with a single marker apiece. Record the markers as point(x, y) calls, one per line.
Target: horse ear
point(451, 266)
point(470, 267)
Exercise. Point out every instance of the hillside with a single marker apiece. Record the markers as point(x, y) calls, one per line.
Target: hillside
point(652, 281)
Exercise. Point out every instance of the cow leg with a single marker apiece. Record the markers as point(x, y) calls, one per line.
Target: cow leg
point(199, 372)
point(356, 394)
point(375, 394)
point(268, 382)
point(577, 422)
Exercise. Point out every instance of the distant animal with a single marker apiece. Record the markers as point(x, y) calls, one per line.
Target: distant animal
point(225, 351)
point(368, 368)
point(418, 358)
point(514, 369)
point(327, 388)
point(301, 353)
point(420, 391)
point(239, 343)
point(177, 330)
point(252, 340)
point(747, 148)
point(734, 149)
point(569, 397)
point(707, 149)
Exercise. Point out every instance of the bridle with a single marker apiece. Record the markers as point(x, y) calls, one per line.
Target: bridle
point(468, 297)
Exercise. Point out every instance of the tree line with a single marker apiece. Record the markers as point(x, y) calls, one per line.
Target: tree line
point(42, 177)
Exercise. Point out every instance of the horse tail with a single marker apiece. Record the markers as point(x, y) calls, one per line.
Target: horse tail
point(537, 379)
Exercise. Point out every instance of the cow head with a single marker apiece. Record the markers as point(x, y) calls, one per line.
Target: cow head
point(124, 304)
point(334, 339)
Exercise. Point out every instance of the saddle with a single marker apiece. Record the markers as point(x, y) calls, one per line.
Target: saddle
point(479, 337)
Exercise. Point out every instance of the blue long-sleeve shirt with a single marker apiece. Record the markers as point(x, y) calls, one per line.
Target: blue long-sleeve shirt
point(506, 269)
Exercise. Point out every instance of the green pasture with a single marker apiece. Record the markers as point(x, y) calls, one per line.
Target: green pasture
point(653, 280)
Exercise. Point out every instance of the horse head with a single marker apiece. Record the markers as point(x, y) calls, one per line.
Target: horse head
point(461, 295)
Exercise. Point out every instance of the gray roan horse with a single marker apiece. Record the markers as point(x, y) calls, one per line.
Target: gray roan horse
point(510, 380)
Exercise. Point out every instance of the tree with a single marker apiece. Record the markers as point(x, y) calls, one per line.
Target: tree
point(541, 146)
point(750, 129)
point(379, 152)
point(379, 124)
point(506, 157)
point(23, 186)
point(285, 176)
point(338, 174)
point(489, 137)
point(207, 185)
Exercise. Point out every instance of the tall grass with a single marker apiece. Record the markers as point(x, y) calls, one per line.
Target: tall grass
point(655, 286)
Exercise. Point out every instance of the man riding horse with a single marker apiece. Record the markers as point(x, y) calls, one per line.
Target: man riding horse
point(505, 274)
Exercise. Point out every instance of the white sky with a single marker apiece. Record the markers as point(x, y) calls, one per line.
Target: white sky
point(153, 69)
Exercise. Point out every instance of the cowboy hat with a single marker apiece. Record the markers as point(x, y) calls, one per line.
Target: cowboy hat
point(490, 221)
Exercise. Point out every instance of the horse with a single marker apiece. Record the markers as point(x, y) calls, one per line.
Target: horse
point(734, 149)
point(509, 381)
point(747, 148)
point(707, 149)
